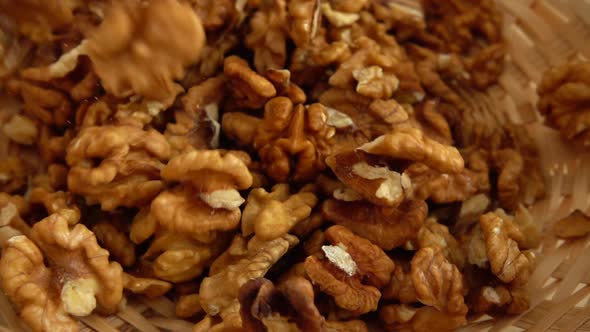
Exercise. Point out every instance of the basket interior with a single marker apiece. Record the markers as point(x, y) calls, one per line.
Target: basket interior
point(539, 34)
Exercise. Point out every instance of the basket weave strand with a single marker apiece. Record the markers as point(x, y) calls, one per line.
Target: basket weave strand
point(539, 34)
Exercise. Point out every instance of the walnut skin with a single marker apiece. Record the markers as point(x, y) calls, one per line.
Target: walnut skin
point(386, 227)
point(577, 224)
point(352, 273)
point(150, 48)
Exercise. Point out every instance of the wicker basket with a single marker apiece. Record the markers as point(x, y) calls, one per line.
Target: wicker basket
point(539, 34)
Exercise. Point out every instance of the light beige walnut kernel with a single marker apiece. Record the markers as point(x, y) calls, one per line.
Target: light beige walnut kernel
point(143, 49)
point(128, 169)
point(271, 215)
point(412, 144)
point(21, 129)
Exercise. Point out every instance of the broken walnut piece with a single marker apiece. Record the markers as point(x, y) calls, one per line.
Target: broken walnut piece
point(405, 318)
point(250, 89)
point(576, 224)
point(197, 123)
point(268, 35)
point(436, 235)
point(438, 187)
point(265, 307)
point(438, 283)
point(352, 271)
point(219, 291)
point(116, 242)
point(507, 261)
point(502, 298)
point(73, 277)
point(271, 215)
point(188, 305)
point(379, 185)
point(150, 287)
point(216, 176)
point(387, 227)
point(116, 165)
point(177, 257)
point(142, 49)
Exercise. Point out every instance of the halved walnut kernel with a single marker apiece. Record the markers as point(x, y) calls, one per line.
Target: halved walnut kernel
point(387, 227)
point(352, 272)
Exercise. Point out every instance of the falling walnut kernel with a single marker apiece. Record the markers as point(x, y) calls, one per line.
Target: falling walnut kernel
point(21, 129)
point(149, 287)
point(147, 54)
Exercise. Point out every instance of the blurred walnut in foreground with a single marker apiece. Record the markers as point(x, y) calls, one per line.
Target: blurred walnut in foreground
point(564, 97)
point(142, 49)
point(63, 272)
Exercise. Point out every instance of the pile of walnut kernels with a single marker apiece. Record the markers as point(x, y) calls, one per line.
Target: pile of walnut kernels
point(267, 165)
